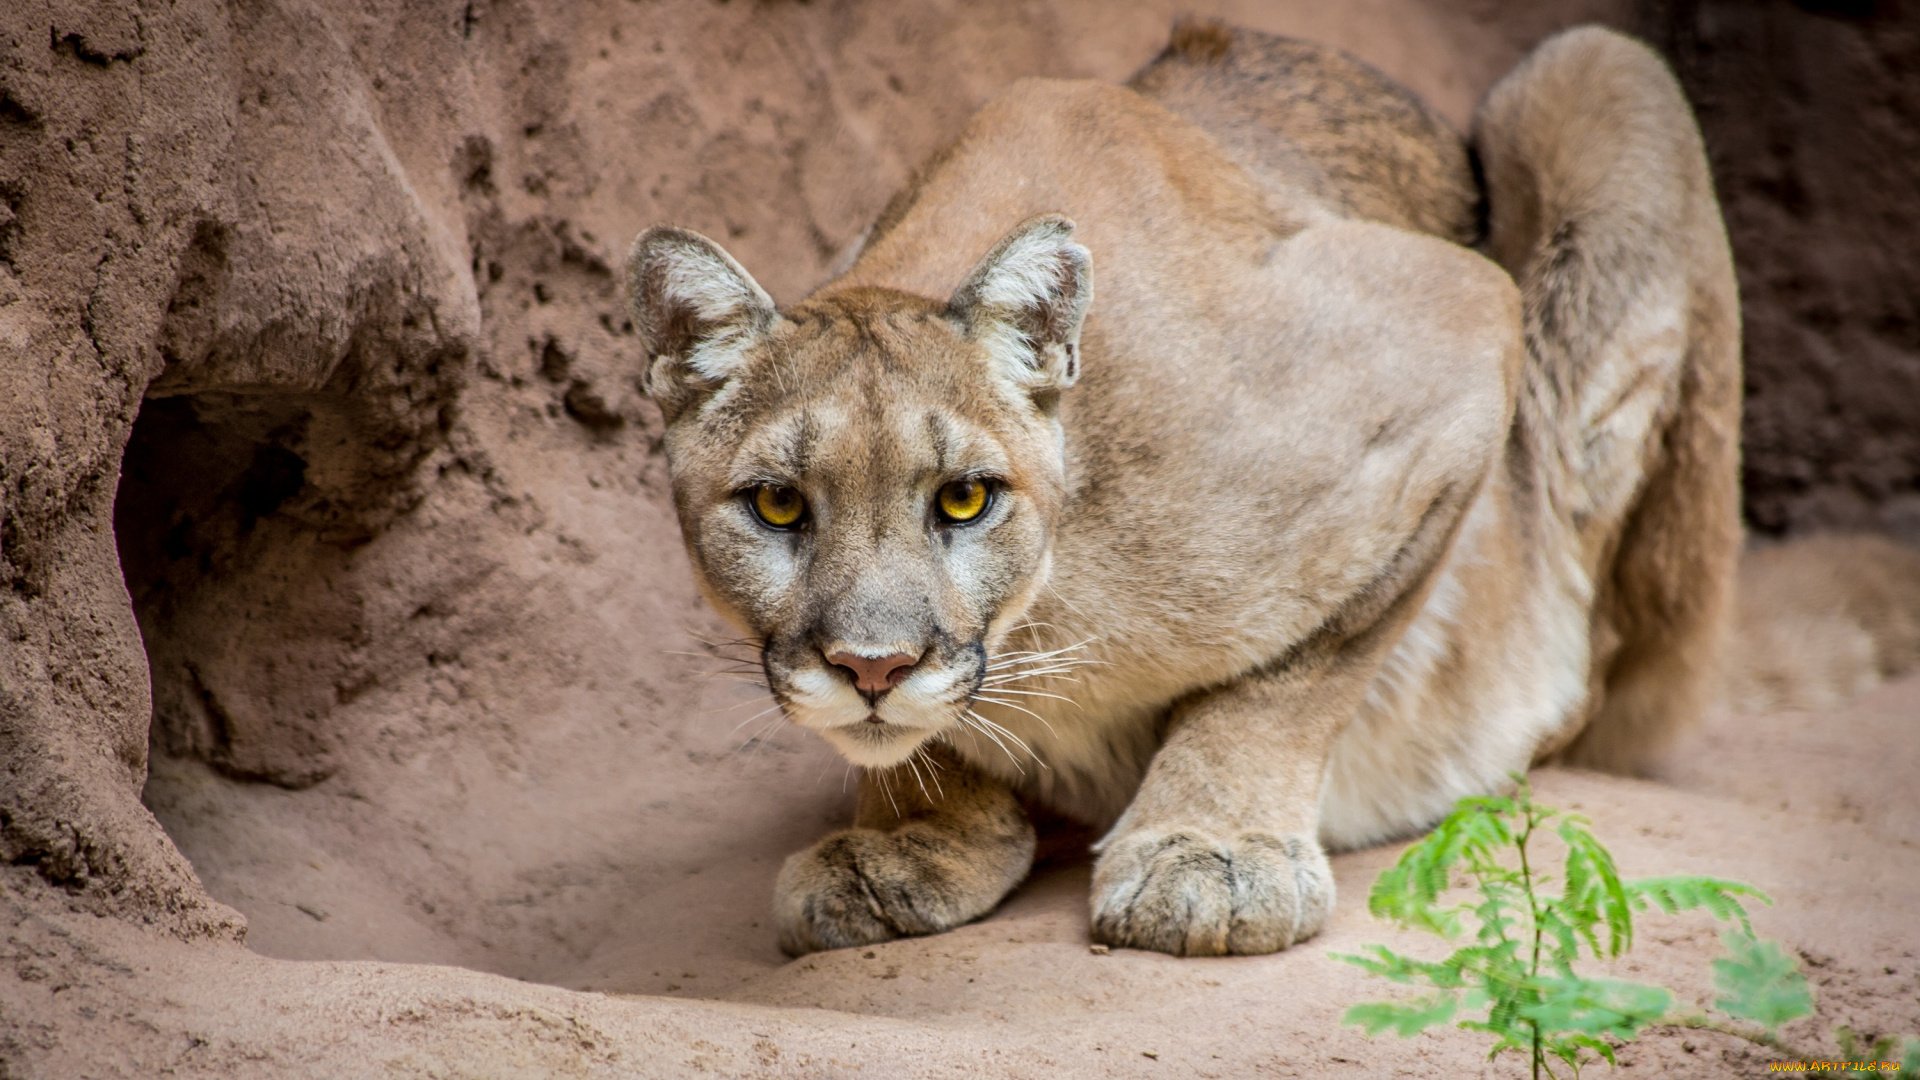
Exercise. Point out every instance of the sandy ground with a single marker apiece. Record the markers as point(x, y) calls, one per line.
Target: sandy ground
point(1816, 808)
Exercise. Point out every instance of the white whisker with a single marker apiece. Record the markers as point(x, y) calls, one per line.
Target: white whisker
point(1004, 663)
point(994, 731)
point(1017, 741)
point(999, 685)
point(915, 766)
point(933, 770)
point(979, 723)
point(1081, 644)
point(729, 708)
point(734, 677)
point(880, 777)
point(1033, 693)
point(1012, 705)
point(1047, 667)
point(773, 708)
point(759, 738)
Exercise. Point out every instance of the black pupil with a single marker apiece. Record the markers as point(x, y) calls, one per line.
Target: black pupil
point(782, 499)
point(962, 494)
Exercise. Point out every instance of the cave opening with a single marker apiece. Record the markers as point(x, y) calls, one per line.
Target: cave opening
point(210, 487)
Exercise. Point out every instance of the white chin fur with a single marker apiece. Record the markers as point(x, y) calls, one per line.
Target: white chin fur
point(915, 711)
point(876, 746)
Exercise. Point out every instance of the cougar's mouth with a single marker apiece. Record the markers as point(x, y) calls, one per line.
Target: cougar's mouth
point(931, 701)
point(876, 743)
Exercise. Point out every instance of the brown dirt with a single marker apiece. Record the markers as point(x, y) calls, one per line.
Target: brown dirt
point(1818, 809)
point(398, 584)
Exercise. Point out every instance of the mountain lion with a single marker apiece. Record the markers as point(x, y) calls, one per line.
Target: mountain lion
point(1224, 461)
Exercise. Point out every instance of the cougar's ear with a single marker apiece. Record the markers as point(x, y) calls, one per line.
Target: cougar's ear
point(1025, 301)
point(698, 313)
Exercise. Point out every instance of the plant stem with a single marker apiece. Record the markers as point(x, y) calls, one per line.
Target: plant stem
point(1533, 912)
point(1700, 1022)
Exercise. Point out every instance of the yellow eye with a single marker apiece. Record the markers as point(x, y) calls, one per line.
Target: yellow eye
point(963, 500)
point(778, 505)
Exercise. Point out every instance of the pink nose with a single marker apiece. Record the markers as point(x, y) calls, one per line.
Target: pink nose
point(874, 676)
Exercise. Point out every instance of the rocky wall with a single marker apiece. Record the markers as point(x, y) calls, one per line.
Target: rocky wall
point(1811, 113)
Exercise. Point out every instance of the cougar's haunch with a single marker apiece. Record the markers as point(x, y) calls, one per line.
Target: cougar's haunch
point(1171, 457)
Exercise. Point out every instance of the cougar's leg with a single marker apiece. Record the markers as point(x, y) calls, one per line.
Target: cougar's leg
point(1601, 206)
point(930, 849)
point(1219, 853)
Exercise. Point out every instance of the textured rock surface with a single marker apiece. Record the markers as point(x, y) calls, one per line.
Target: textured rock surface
point(393, 529)
point(109, 134)
point(1812, 119)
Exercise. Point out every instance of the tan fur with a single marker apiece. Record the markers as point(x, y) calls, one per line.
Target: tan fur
point(1297, 115)
point(1612, 229)
point(1821, 620)
point(1308, 520)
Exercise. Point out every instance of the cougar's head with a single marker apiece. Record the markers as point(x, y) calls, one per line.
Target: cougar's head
point(868, 481)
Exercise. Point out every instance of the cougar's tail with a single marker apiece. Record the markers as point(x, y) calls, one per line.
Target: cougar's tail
point(1601, 206)
point(1821, 620)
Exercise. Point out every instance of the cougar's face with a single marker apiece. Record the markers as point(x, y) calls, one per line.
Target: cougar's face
point(867, 482)
point(866, 501)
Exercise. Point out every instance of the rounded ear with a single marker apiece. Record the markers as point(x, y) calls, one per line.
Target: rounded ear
point(697, 311)
point(1026, 300)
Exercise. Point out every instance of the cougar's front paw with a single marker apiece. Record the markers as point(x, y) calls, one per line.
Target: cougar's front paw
point(1191, 895)
point(862, 886)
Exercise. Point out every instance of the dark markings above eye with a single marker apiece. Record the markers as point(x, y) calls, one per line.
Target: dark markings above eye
point(939, 436)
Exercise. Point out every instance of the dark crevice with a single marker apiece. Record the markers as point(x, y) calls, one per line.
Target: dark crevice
point(206, 488)
point(80, 48)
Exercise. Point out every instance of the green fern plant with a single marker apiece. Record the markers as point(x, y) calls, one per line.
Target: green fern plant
point(1515, 978)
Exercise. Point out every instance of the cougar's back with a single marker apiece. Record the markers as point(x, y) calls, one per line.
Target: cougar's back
point(1309, 118)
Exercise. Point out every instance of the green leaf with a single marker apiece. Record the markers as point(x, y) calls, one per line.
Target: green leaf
point(1499, 967)
point(1596, 1007)
point(1760, 982)
point(1519, 966)
point(1445, 975)
point(1587, 1042)
point(1504, 1020)
point(1493, 913)
point(1562, 947)
point(1850, 1052)
point(1578, 1051)
point(1910, 1060)
point(1405, 1019)
point(1594, 894)
point(1407, 893)
point(1685, 893)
